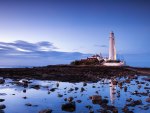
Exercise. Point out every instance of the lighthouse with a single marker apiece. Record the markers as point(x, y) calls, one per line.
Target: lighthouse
point(112, 60)
point(112, 48)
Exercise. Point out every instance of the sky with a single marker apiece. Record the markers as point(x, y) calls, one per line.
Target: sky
point(75, 27)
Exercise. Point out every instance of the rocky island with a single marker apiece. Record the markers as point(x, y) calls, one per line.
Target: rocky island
point(72, 73)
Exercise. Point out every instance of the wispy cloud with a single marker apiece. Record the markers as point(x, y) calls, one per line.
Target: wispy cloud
point(102, 46)
point(40, 53)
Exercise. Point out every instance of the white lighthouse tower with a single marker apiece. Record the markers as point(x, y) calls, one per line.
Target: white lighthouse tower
point(112, 48)
point(112, 60)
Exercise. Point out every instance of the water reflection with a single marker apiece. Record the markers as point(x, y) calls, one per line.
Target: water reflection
point(112, 92)
point(54, 94)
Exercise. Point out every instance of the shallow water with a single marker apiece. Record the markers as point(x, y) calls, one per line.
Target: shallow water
point(41, 99)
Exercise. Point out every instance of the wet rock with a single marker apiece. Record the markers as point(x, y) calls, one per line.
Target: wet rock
point(84, 84)
point(65, 99)
point(35, 87)
point(148, 100)
point(2, 106)
point(134, 103)
point(76, 88)
point(114, 82)
point(146, 79)
point(2, 111)
point(46, 111)
point(24, 90)
point(120, 84)
point(82, 89)
point(24, 97)
point(147, 88)
point(127, 80)
point(88, 106)
point(108, 107)
point(93, 86)
point(69, 107)
point(91, 111)
point(115, 110)
point(96, 99)
point(53, 89)
point(2, 81)
point(1, 100)
point(57, 84)
point(104, 101)
point(125, 88)
point(59, 95)
point(129, 99)
point(126, 110)
point(70, 99)
point(79, 101)
point(71, 89)
point(96, 92)
point(28, 104)
point(139, 86)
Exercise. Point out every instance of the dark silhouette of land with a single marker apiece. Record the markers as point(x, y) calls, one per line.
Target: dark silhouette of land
point(72, 73)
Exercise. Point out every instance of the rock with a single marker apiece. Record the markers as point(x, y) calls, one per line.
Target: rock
point(114, 82)
point(53, 89)
point(84, 84)
point(2, 106)
point(76, 88)
point(79, 101)
point(35, 87)
point(126, 110)
point(96, 99)
point(65, 99)
point(134, 103)
point(115, 110)
point(24, 97)
point(3, 94)
point(82, 89)
point(105, 101)
point(28, 104)
point(70, 99)
point(71, 89)
point(2, 111)
point(148, 100)
point(57, 84)
point(88, 106)
point(91, 111)
point(146, 79)
point(127, 80)
point(59, 95)
point(2, 81)
point(129, 99)
point(69, 107)
point(24, 90)
point(120, 84)
point(125, 88)
point(1, 100)
point(46, 111)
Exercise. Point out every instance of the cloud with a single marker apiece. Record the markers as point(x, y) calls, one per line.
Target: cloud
point(103, 46)
point(24, 53)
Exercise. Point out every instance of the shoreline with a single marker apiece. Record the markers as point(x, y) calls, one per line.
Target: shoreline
point(71, 73)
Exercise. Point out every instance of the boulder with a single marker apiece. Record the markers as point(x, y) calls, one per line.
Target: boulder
point(2, 106)
point(148, 100)
point(46, 111)
point(1, 100)
point(2, 81)
point(69, 107)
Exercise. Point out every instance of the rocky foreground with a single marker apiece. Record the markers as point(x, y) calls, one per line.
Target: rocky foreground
point(71, 73)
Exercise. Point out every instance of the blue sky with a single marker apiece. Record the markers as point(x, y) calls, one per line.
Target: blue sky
point(76, 26)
